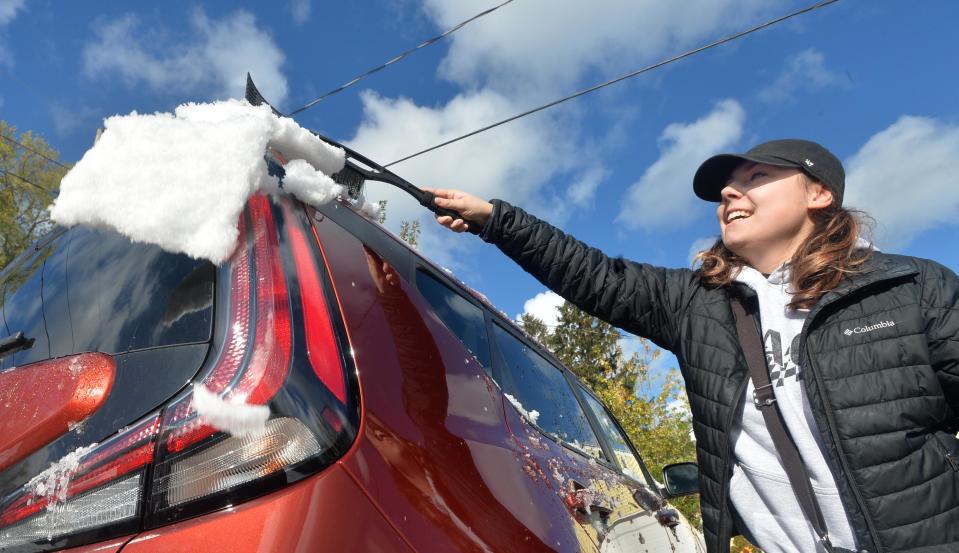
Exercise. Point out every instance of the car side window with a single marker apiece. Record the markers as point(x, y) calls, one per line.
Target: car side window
point(463, 318)
point(538, 387)
point(624, 454)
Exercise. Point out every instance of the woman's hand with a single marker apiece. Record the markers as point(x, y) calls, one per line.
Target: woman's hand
point(474, 210)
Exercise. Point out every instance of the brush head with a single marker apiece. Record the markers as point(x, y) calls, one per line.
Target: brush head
point(254, 97)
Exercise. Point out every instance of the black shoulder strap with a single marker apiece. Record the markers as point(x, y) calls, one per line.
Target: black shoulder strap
point(765, 400)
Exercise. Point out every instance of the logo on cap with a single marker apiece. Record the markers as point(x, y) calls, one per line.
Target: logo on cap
point(808, 163)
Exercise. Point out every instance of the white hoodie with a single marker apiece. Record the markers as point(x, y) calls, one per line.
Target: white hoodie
point(760, 489)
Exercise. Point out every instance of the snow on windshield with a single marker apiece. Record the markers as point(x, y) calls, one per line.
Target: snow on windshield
point(532, 416)
point(181, 180)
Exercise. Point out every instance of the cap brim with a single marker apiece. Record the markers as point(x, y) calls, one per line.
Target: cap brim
point(713, 174)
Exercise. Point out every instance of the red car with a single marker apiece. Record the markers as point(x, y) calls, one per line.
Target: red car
point(405, 412)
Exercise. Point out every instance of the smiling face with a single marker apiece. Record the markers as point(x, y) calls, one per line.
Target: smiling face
point(764, 213)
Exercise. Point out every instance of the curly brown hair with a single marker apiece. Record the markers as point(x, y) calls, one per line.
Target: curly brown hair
point(831, 251)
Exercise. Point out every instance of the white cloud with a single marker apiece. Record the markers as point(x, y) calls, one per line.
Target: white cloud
point(805, 71)
point(663, 197)
point(577, 197)
point(455, 253)
point(9, 9)
point(501, 75)
point(532, 46)
point(904, 176)
point(510, 162)
point(581, 192)
point(545, 307)
point(8, 12)
point(212, 61)
point(699, 245)
point(68, 120)
point(300, 10)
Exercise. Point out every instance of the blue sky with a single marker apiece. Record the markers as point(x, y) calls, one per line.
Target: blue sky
point(875, 82)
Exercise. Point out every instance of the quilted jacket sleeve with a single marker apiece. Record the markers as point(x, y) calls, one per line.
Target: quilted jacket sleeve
point(642, 299)
point(940, 303)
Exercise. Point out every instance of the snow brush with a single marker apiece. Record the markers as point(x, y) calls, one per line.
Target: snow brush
point(353, 174)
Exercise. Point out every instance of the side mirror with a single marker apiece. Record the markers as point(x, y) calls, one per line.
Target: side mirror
point(681, 479)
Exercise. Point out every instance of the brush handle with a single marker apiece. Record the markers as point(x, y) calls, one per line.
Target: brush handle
point(427, 200)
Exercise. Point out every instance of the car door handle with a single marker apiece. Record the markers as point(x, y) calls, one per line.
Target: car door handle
point(585, 501)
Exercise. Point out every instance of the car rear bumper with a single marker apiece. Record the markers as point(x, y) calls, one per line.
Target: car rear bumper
point(327, 512)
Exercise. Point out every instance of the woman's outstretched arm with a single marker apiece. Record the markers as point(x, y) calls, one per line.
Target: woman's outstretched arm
point(640, 298)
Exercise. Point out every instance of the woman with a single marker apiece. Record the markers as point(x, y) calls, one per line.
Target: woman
point(862, 349)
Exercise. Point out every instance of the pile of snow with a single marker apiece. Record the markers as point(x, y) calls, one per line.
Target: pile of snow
point(236, 417)
point(181, 180)
point(308, 184)
point(530, 415)
point(54, 482)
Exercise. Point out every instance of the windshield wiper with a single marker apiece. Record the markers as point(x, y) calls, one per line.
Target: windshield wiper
point(15, 343)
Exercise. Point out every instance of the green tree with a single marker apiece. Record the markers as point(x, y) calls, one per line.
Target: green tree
point(652, 411)
point(410, 232)
point(30, 174)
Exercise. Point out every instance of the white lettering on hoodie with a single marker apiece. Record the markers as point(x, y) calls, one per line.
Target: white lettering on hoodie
point(760, 489)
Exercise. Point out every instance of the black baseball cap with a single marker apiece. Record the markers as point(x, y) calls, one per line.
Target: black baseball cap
point(813, 159)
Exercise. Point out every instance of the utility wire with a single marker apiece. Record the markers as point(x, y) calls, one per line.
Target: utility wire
point(41, 154)
point(400, 56)
point(621, 78)
point(26, 180)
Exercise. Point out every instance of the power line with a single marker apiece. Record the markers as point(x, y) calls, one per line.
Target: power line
point(26, 180)
point(621, 78)
point(400, 56)
point(41, 154)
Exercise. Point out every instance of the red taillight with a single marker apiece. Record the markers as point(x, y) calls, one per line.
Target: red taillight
point(91, 487)
point(251, 377)
point(270, 363)
point(178, 464)
point(128, 462)
point(197, 461)
point(320, 340)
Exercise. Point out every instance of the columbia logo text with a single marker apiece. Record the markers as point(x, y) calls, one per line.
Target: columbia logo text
point(868, 328)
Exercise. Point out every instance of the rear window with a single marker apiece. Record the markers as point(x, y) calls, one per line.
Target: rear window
point(95, 290)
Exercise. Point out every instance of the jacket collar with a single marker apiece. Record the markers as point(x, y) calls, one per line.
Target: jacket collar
point(877, 268)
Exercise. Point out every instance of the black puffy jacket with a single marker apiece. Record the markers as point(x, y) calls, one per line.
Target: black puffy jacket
point(882, 349)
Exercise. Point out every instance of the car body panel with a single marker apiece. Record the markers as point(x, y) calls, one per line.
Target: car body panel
point(326, 512)
point(434, 452)
point(109, 546)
